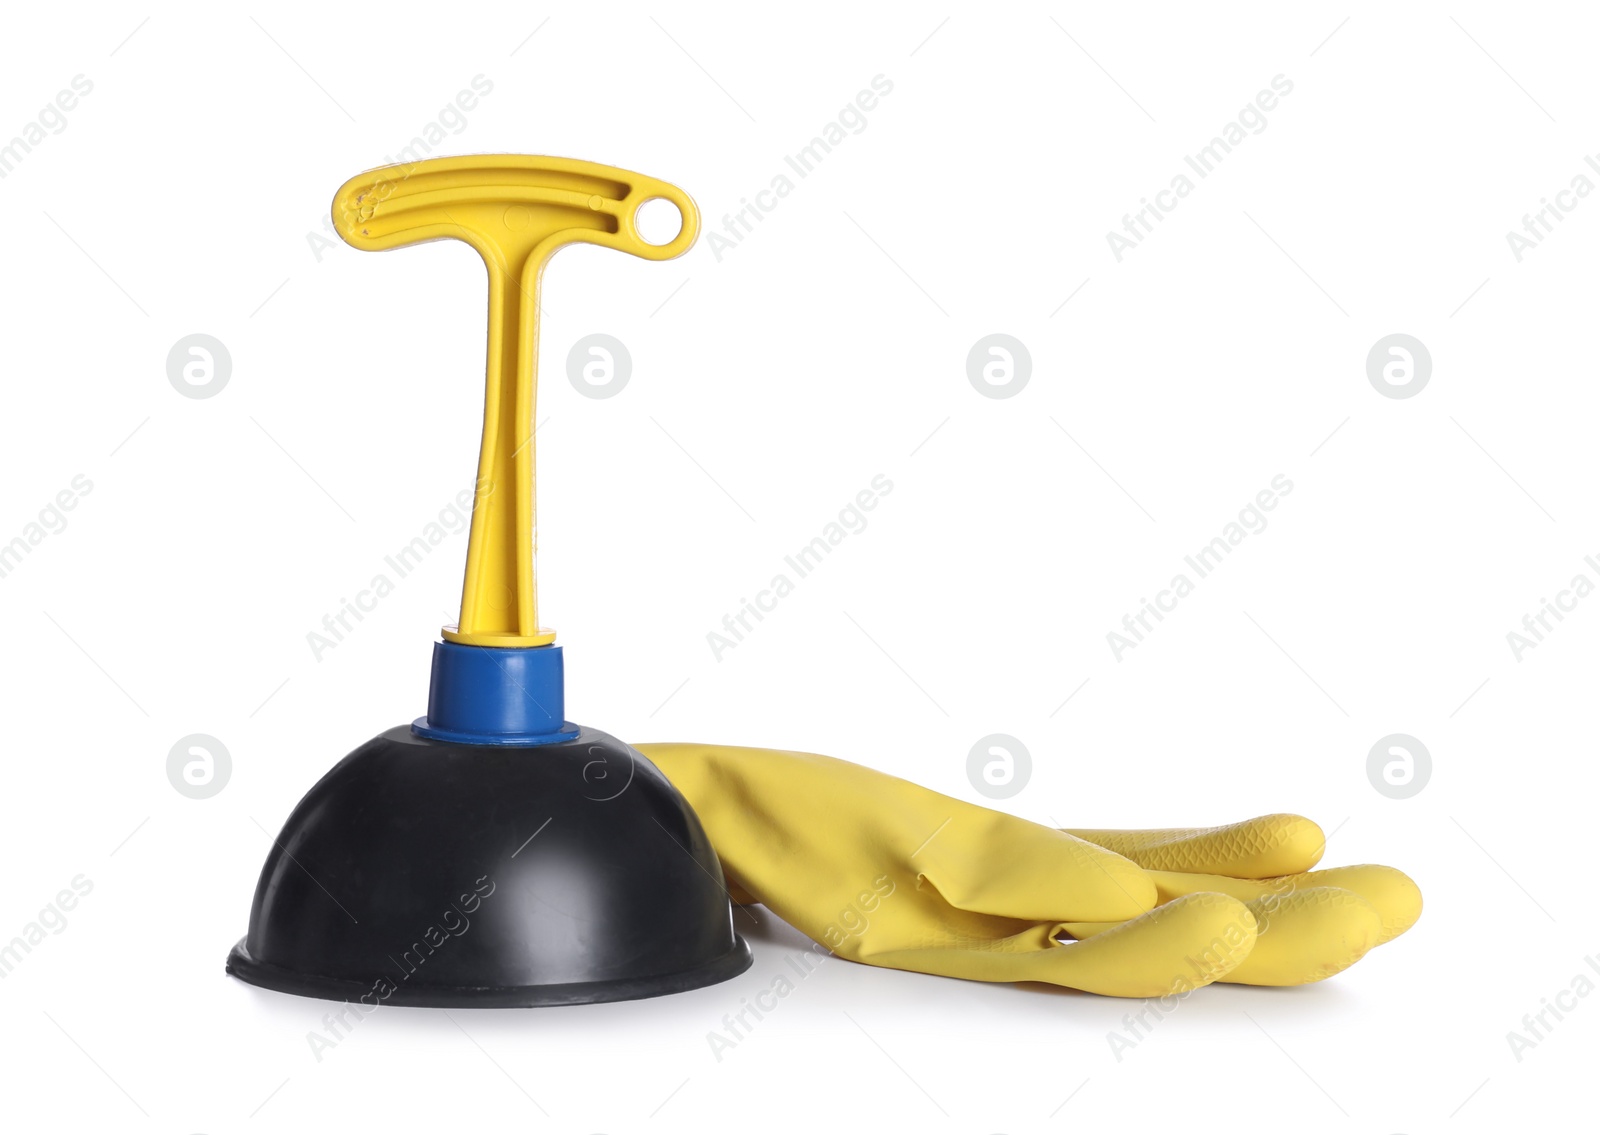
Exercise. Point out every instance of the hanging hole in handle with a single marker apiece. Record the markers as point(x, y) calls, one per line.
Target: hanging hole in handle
point(657, 221)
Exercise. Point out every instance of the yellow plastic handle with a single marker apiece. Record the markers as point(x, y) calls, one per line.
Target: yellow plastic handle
point(515, 210)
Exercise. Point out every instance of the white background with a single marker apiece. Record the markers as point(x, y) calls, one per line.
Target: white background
point(768, 388)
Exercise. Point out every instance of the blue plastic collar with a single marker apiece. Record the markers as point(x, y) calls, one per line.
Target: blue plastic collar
point(485, 695)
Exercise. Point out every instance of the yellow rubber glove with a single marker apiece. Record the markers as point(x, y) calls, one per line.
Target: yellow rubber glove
point(886, 872)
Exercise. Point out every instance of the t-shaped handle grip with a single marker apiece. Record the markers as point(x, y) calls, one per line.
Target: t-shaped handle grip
point(515, 210)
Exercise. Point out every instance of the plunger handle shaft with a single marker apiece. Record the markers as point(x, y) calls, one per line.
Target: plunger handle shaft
point(516, 211)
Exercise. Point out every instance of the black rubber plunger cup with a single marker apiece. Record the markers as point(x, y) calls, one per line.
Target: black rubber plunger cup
point(421, 872)
point(492, 853)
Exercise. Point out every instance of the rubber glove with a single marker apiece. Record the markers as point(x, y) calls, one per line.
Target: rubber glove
point(889, 873)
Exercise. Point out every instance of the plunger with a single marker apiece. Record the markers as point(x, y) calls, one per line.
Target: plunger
point(492, 853)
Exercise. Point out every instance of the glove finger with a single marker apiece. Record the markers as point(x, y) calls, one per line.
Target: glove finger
point(1397, 900)
point(1280, 844)
point(1179, 946)
point(1393, 893)
point(1307, 936)
point(1302, 937)
point(996, 864)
